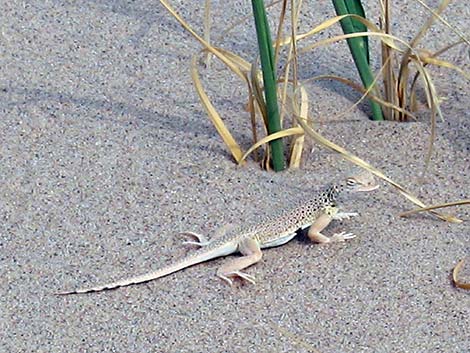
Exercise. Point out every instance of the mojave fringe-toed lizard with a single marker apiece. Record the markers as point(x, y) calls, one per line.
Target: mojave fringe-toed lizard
point(316, 213)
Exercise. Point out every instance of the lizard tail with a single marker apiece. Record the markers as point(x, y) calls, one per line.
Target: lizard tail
point(200, 256)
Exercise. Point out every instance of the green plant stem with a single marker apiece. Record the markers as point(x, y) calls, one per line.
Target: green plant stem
point(359, 53)
point(269, 79)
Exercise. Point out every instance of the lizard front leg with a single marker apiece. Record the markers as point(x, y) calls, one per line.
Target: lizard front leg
point(344, 215)
point(251, 252)
point(314, 233)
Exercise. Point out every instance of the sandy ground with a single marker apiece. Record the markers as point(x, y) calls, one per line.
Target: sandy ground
point(106, 153)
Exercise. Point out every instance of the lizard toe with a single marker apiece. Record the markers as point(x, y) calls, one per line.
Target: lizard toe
point(342, 236)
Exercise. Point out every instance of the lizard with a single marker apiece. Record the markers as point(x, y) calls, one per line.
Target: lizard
point(315, 214)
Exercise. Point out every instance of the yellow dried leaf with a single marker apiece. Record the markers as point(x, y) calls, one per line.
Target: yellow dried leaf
point(434, 207)
point(275, 136)
point(201, 40)
point(298, 140)
point(214, 115)
point(455, 274)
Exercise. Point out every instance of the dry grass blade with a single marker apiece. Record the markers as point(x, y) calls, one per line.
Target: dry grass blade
point(438, 16)
point(387, 38)
point(207, 29)
point(291, 56)
point(363, 164)
point(252, 108)
point(433, 103)
point(258, 104)
point(404, 71)
point(214, 116)
point(365, 93)
point(241, 63)
point(279, 30)
point(201, 40)
point(435, 207)
point(431, 60)
point(239, 22)
point(374, 31)
point(280, 134)
point(256, 79)
point(430, 21)
point(321, 27)
point(455, 275)
point(388, 62)
point(298, 141)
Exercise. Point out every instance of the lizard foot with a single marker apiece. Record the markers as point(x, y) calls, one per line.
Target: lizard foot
point(201, 239)
point(338, 237)
point(345, 215)
point(242, 275)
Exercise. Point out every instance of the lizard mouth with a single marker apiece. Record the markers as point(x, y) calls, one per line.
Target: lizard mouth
point(366, 188)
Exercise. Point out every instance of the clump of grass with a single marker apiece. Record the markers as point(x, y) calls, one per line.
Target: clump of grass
point(403, 66)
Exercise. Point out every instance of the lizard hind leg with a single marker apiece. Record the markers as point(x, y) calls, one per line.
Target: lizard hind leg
point(201, 239)
point(252, 254)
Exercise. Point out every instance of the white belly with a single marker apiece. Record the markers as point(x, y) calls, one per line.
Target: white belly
point(279, 241)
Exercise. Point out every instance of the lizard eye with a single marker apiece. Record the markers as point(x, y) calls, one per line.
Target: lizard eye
point(351, 182)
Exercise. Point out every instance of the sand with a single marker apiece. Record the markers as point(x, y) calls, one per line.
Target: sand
point(106, 154)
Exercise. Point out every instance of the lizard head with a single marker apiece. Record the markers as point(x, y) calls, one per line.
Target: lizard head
point(362, 181)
